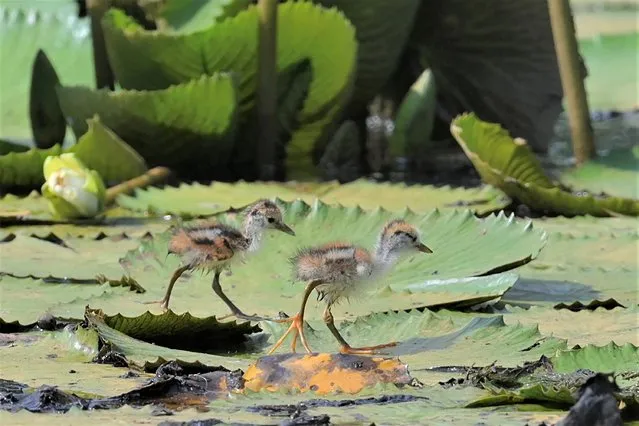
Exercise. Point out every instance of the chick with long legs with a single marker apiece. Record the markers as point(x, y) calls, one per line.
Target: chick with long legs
point(337, 271)
point(214, 247)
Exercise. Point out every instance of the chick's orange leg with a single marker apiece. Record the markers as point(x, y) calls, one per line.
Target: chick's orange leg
point(345, 347)
point(164, 303)
point(297, 323)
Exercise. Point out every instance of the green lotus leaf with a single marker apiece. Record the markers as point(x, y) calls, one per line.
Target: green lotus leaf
point(151, 121)
point(466, 249)
point(69, 259)
point(585, 327)
point(204, 200)
point(183, 331)
point(415, 118)
point(616, 173)
point(26, 28)
point(148, 60)
point(383, 29)
point(193, 15)
point(428, 340)
point(584, 259)
point(510, 166)
point(463, 43)
point(116, 227)
point(63, 359)
point(47, 122)
point(419, 198)
point(201, 200)
point(610, 358)
point(144, 354)
point(98, 148)
point(24, 300)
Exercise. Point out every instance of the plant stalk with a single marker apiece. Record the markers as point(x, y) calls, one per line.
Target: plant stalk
point(103, 72)
point(267, 89)
point(563, 29)
point(151, 177)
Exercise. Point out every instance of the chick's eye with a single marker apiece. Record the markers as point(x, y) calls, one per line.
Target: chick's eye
point(270, 220)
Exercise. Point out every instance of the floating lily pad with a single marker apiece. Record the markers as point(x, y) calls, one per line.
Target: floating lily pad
point(429, 340)
point(79, 258)
point(204, 200)
point(465, 248)
point(597, 327)
point(511, 166)
point(145, 354)
point(200, 200)
point(611, 358)
point(63, 359)
point(183, 331)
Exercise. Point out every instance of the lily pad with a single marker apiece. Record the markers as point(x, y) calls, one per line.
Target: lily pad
point(27, 299)
point(610, 358)
point(98, 148)
point(597, 327)
point(231, 45)
point(79, 258)
point(616, 173)
point(144, 354)
point(510, 166)
point(429, 340)
point(147, 120)
point(63, 359)
point(183, 331)
point(464, 248)
point(201, 200)
point(25, 28)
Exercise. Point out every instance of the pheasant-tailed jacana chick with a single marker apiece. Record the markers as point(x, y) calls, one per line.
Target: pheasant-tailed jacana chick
point(216, 246)
point(338, 271)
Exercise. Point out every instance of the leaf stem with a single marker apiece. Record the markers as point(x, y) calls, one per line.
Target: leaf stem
point(152, 176)
point(563, 29)
point(267, 89)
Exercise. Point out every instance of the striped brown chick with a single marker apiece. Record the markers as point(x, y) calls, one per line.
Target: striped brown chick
point(214, 247)
point(338, 270)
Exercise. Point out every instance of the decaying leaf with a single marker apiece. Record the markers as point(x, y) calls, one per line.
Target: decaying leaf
point(324, 373)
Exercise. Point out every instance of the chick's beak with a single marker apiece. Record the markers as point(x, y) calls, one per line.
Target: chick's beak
point(280, 226)
point(423, 248)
